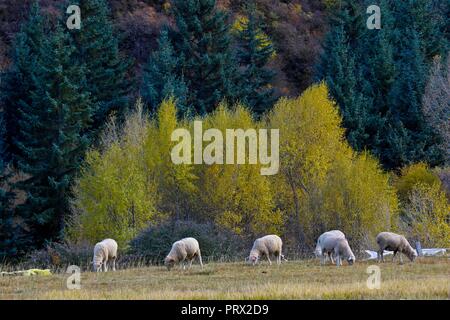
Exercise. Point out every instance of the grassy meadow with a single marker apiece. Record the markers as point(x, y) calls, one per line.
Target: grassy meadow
point(428, 278)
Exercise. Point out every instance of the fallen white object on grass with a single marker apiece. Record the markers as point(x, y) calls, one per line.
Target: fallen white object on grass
point(374, 254)
point(434, 252)
point(426, 252)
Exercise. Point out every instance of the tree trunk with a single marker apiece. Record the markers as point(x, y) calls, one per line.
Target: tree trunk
point(297, 218)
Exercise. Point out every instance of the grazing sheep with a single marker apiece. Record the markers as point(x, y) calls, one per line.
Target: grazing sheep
point(394, 242)
point(326, 244)
point(266, 246)
point(105, 251)
point(342, 251)
point(184, 249)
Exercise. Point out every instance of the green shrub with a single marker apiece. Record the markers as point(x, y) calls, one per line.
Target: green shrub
point(60, 255)
point(154, 243)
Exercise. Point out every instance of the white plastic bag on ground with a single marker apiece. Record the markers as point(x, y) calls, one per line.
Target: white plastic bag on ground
point(433, 252)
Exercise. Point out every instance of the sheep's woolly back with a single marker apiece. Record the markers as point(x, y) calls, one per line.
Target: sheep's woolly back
point(184, 248)
point(327, 241)
point(99, 253)
point(343, 249)
point(335, 233)
point(394, 242)
point(270, 244)
point(105, 250)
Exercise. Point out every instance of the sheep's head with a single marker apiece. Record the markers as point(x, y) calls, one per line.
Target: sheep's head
point(97, 265)
point(169, 262)
point(351, 259)
point(253, 259)
point(411, 254)
point(318, 252)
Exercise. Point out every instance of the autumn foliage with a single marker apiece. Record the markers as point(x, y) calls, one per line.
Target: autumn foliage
point(131, 182)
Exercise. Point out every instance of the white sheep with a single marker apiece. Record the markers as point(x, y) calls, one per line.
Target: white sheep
point(182, 250)
point(394, 242)
point(105, 251)
point(342, 251)
point(326, 244)
point(266, 246)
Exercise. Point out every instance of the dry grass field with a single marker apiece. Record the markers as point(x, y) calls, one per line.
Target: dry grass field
point(428, 278)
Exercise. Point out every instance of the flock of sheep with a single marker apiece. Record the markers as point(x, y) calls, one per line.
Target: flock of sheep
point(329, 244)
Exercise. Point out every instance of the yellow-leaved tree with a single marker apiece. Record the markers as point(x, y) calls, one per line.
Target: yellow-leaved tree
point(359, 199)
point(418, 173)
point(176, 183)
point(425, 210)
point(322, 183)
point(114, 196)
point(236, 196)
point(427, 213)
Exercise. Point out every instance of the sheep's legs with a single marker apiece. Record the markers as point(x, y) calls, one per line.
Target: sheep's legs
point(268, 259)
point(338, 261)
point(330, 255)
point(401, 258)
point(279, 259)
point(104, 266)
point(380, 256)
point(393, 256)
point(114, 264)
point(190, 263)
point(323, 259)
point(200, 259)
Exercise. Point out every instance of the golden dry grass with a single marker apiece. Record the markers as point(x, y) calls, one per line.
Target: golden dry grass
point(428, 278)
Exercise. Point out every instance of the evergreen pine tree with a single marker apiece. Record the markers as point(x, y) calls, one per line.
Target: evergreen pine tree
point(51, 136)
point(2, 139)
point(161, 79)
point(377, 79)
point(343, 75)
point(106, 70)
point(8, 232)
point(253, 53)
point(17, 82)
point(203, 44)
point(431, 23)
point(351, 15)
point(409, 138)
point(8, 243)
point(378, 69)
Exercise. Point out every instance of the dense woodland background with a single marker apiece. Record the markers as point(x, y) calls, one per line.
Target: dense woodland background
point(86, 117)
